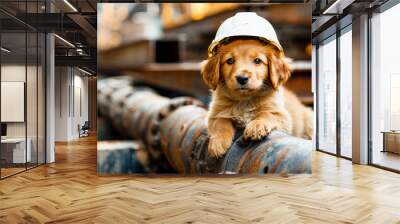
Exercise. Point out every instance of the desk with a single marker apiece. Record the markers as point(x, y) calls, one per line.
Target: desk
point(13, 150)
point(391, 141)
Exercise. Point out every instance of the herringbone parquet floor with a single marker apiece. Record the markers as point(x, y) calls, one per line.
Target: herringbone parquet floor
point(69, 191)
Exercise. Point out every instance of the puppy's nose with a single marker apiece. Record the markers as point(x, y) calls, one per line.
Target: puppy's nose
point(242, 80)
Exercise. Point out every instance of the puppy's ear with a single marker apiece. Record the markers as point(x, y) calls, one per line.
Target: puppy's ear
point(210, 72)
point(279, 70)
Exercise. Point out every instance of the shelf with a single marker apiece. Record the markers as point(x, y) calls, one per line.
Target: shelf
point(185, 77)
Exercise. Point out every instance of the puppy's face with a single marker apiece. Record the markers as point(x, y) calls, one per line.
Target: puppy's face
point(245, 68)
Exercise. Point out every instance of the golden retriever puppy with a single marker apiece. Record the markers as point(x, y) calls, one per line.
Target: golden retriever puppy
point(246, 78)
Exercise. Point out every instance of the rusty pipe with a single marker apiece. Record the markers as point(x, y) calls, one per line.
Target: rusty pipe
point(184, 141)
point(135, 112)
point(175, 130)
point(138, 109)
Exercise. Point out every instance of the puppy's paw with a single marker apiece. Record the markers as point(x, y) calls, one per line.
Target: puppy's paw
point(256, 129)
point(218, 145)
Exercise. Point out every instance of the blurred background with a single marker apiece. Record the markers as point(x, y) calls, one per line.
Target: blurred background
point(162, 44)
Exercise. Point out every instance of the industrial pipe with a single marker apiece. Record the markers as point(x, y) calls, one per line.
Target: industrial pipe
point(175, 130)
point(134, 112)
point(185, 141)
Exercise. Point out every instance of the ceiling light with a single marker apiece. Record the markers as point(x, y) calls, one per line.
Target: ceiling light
point(65, 41)
point(337, 7)
point(5, 49)
point(84, 71)
point(70, 5)
point(80, 51)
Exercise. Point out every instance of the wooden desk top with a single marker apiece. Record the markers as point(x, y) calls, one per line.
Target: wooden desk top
point(391, 132)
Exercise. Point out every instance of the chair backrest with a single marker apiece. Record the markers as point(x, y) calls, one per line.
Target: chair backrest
point(86, 125)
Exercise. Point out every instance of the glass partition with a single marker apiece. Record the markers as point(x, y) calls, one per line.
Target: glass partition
point(32, 97)
point(22, 78)
point(14, 153)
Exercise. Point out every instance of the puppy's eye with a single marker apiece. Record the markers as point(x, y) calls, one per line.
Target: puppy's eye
point(230, 61)
point(257, 61)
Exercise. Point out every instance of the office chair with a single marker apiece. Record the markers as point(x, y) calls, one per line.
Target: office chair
point(84, 130)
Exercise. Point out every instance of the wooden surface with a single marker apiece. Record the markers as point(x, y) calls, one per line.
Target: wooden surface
point(7, 171)
point(69, 191)
point(386, 159)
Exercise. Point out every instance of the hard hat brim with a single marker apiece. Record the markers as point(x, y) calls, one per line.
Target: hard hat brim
point(213, 46)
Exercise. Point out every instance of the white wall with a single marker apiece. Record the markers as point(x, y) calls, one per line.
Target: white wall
point(12, 73)
point(71, 87)
point(62, 81)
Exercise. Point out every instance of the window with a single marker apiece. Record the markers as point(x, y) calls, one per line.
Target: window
point(346, 92)
point(385, 89)
point(326, 97)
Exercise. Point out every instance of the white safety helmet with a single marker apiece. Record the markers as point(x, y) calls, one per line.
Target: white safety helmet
point(245, 24)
